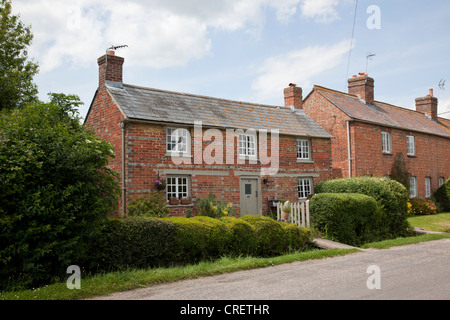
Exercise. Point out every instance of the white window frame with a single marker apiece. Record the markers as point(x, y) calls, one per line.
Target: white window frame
point(441, 181)
point(178, 141)
point(386, 142)
point(247, 145)
point(410, 146)
point(412, 187)
point(427, 187)
point(303, 149)
point(177, 186)
point(304, 187)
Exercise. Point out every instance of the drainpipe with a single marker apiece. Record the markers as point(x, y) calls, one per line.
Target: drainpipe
point(349, 147)
point(123, 126)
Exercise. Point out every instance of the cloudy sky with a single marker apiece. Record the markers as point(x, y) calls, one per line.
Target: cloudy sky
point(246, 50)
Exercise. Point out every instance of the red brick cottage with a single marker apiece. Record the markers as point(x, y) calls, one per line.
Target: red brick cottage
point(368, 134)
point(244, 153)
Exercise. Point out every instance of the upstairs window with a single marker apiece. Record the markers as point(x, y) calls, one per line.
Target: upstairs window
point(441, 181)
point(410, 146)
point(386, 142)
point(303, 150)
point(177, 140)
point(247, 145)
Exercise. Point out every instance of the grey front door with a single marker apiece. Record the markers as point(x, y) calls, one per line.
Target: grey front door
point(249, 196)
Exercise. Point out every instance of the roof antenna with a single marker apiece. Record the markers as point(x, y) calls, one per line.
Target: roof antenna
point(369, 57)
point(117, 47)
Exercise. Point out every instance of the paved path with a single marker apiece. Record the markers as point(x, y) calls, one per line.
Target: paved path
point(419, 271)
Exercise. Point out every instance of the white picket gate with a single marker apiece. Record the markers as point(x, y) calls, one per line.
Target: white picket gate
point(299, 214)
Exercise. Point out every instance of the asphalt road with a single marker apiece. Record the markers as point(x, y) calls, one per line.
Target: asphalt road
point(413, 272)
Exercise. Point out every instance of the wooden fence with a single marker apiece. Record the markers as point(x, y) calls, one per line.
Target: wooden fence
point(299, 213)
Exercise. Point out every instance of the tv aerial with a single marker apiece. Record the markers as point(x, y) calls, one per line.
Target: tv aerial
point(369, 57)
point(117, 47)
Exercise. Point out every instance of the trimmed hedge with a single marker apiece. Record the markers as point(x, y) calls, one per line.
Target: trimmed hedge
point(391, 197)
point(141, 242)
point(442, 197)
point(345, 217)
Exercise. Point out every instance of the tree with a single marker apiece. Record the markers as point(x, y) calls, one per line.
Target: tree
point(16, 71)
point(399, 172)
point(55, 190)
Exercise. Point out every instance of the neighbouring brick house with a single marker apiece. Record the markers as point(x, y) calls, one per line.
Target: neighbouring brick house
point(244, 153)
point(368, 134)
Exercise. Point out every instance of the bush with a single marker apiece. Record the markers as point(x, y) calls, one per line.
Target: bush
point(442, 197)
point(418, 206)
point(209, 207)
point(137, 242)
point(391, 197)
point(150, 205)
point(55, 191)
point(271, 237)
point(242, 238)
point(345, 217)
point(297, 238)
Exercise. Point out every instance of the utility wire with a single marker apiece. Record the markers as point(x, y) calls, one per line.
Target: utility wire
point(351, 43)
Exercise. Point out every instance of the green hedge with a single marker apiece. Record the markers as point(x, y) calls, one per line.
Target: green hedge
point(442, 197)
point(391, 197)
point(142, 242)
point(345, 217)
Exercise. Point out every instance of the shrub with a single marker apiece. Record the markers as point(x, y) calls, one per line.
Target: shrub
point(211, 208)
point(442, 197)
point(344, 217)
point(150, 205)
point(297, 238)
point(55, 191)
point(418, 206)
point(270, 235)
point(242, 238)
point(391, 197)
point(137, 242)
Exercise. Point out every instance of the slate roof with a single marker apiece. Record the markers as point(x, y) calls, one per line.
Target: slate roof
point(149, 104)
point(385, 114)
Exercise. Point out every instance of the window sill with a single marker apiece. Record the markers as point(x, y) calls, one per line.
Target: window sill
point(249, 158)
point(178, 155)
point(305, 161)
point(411, 155)
point(179, 205)
point(387, 153)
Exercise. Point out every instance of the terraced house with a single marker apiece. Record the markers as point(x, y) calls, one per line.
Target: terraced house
point(245, 153)
point(369, 134)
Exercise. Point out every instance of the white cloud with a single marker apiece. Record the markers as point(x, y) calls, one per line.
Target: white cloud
point(320, 10)
point(159, 33)
point(300, 67)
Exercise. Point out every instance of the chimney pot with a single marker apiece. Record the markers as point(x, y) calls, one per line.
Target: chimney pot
point(431, 92)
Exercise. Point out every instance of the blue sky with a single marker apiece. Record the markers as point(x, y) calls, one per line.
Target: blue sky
point(246, 50)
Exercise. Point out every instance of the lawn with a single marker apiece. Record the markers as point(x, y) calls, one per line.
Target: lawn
point(436, 222)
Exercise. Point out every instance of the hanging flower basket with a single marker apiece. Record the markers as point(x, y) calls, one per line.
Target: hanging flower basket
point(160, 183)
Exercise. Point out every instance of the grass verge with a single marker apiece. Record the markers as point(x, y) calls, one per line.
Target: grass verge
point(105, 284)
point(404, 241)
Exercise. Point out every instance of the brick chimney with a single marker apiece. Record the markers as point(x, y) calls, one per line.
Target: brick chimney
point(362, 85)
point(428, 105)
point(110, 68)
point(293, 96)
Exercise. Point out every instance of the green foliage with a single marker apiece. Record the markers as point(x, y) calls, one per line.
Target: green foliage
point(16, 72)
point(345, 217)
point(418, 206)
point(142, 242)
point(442, 197)
point(399, 172)
point(149, 205)
point(209, 207)
point(391, 197)
point(136, 242)
point(54, 193)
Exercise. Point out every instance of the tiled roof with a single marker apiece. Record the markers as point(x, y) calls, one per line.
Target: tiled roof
point(181, 108)
point(385, 114)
